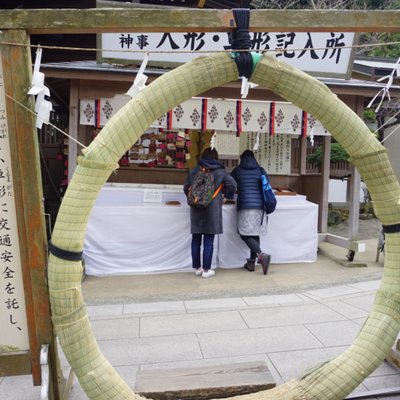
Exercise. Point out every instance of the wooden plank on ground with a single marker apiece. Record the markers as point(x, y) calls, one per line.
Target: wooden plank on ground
point(204, 382)
point(373, 394)
point(394, 358)
point(15, 363)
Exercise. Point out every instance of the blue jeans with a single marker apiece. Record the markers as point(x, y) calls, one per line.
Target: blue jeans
point(208, 249)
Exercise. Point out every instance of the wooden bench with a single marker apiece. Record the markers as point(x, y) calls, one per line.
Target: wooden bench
point(204, 382)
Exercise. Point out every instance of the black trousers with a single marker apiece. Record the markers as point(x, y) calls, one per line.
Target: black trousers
point(253, 243)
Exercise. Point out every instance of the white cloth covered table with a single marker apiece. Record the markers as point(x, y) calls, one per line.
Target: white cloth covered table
point(127, 236)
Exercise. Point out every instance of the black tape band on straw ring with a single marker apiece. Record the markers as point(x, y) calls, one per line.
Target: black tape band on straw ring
point(64, 254)
point(391, 228)
point(241, 41)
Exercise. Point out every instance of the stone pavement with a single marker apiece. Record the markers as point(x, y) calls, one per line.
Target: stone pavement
point(296, 317)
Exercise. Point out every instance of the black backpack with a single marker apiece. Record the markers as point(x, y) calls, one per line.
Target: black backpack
point(201, 192)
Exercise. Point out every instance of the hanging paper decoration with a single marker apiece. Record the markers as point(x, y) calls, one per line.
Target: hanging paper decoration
point(212, 141)
point(43, 106)
point(246, 85)
point(43, 109)
point(140, 80)
point(257, 142)
point(312, 137)
point(204, 114)
point(37, 77)
point(385, 91)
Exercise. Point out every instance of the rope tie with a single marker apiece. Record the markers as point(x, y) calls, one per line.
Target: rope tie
point(240, 40)
point(86, 188)
point(362, 157)
point(71, 318)
point(65, 254)
point(388, 303)
point(94, 164)
point(71, 323)
point(102, 143)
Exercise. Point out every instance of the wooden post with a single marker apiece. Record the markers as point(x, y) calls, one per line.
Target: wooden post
point(326, 168)
point(354, 188)
point(73, 127)
point(29, 203)
point(303, 155)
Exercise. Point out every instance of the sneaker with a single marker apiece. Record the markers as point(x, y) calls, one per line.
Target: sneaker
point(198, 271)
point(208, 273)
point(264, 259)
point(250, 265)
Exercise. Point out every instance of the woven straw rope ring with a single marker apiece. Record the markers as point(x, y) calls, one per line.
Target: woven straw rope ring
point(335, 379)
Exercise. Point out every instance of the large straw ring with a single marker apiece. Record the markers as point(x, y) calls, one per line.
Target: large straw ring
point(333, 380)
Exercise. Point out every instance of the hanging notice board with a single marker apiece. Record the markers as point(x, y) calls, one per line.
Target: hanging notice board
point(273, 152)
point(14, 338)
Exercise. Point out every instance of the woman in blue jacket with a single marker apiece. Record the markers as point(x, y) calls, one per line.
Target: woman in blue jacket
point(251, 219)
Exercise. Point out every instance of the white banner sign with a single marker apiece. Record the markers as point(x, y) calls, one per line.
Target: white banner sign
point(14, 331)
point(318, 53)
point(273, 154)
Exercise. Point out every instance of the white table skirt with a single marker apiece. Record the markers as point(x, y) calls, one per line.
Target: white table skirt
point(123, 239)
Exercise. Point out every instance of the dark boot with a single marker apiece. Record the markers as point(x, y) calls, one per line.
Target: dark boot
point(250, 265)
point(264, 259)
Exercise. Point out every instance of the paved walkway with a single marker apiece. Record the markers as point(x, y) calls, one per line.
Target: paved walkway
point(368, 229)
point(290, 332)
point(296, 317)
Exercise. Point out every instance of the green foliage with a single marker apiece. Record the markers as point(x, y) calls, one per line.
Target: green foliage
point(327, 4)
point(338, 153)
point(388, 51)
point(369, 115)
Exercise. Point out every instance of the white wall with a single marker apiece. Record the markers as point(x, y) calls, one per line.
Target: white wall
point(338, 190)
point(392, 143)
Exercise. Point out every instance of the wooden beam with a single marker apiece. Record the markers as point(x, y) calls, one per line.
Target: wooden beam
point(97, 20)
point(29, 200)
point(354, 245)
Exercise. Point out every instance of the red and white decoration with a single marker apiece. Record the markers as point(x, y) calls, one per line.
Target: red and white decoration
point(214, 114)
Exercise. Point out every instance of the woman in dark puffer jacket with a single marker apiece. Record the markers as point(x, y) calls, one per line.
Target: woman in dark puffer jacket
point(205, 223)
point(252, 222)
